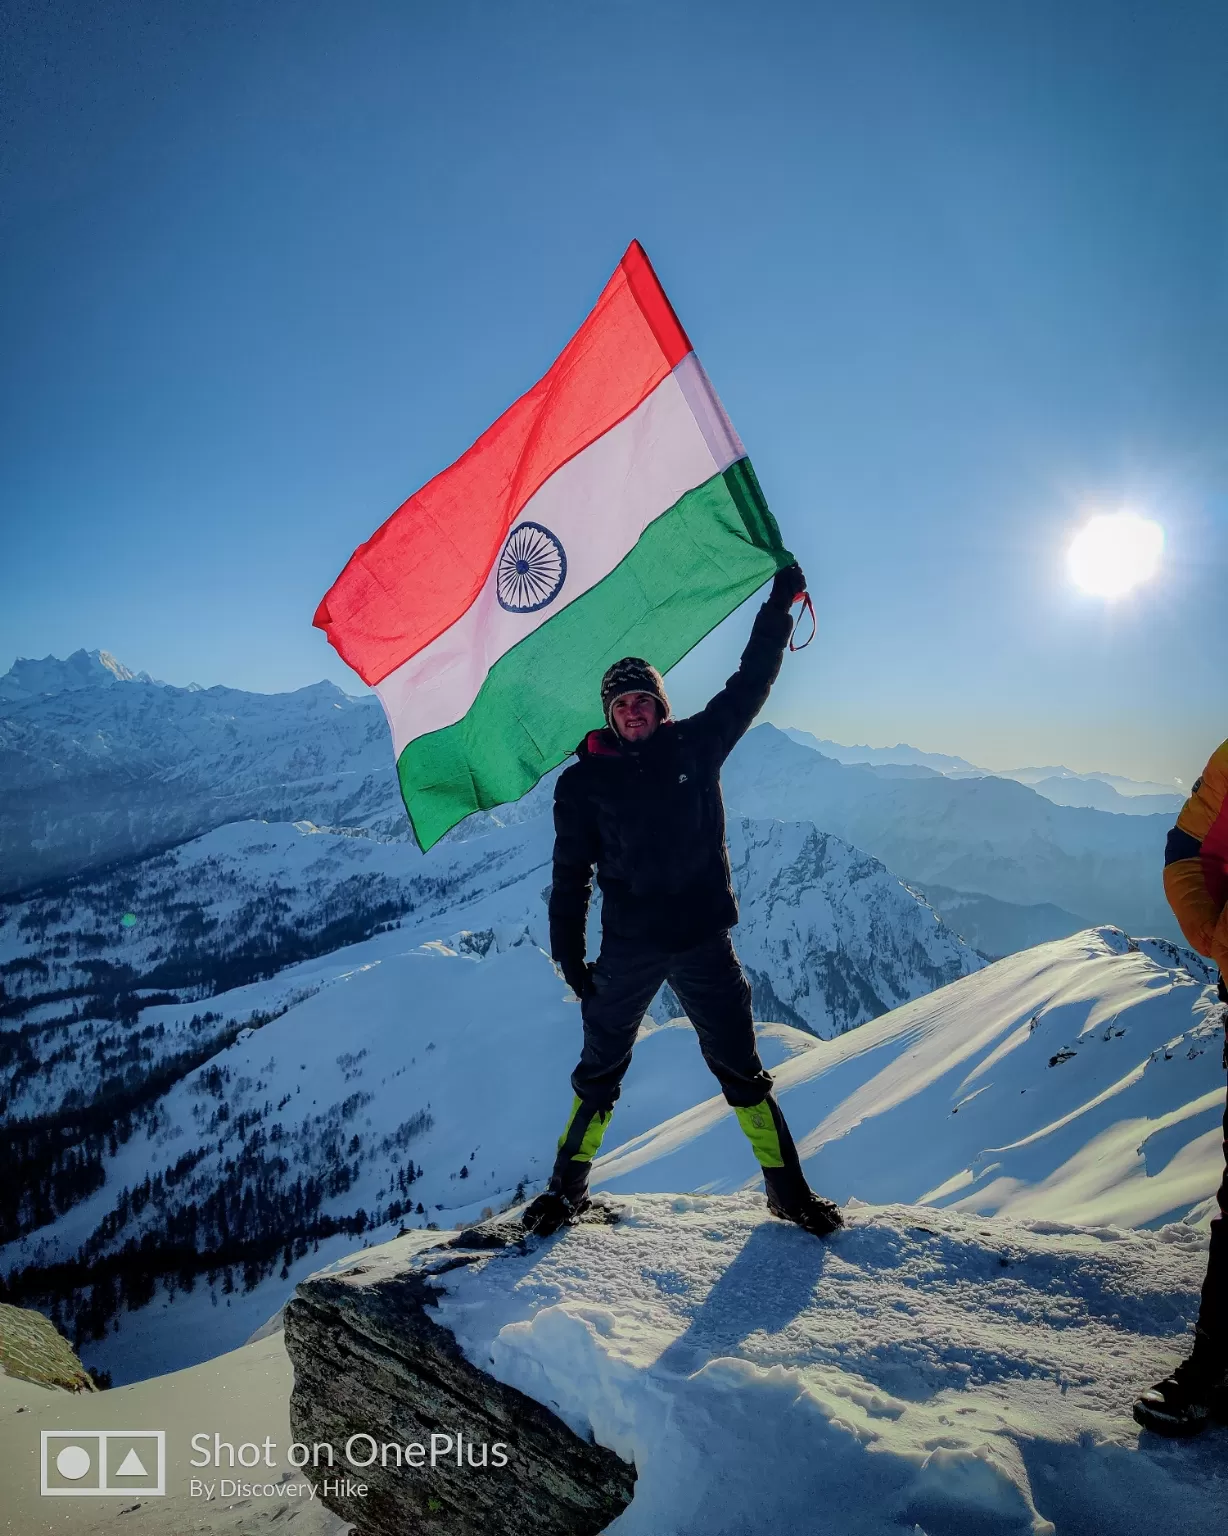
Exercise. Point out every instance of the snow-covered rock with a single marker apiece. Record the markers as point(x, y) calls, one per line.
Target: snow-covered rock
point(921, 1370)
point(369, 1358)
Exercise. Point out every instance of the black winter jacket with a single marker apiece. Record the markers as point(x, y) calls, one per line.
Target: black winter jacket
point(652, 820)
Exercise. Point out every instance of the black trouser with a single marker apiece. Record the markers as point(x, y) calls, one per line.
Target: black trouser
point(712, 988)
point(1213, 1313)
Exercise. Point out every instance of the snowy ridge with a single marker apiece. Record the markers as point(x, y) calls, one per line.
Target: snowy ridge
point(29, 679)
point(115, 766)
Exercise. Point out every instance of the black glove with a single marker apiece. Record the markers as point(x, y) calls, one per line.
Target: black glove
point(579, 977)
point(789, 583)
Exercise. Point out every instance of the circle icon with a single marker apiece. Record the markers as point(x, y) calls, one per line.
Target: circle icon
point(531, 570)
point(73, 1462)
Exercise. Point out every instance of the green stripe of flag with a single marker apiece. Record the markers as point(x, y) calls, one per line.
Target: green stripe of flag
point(690, 568)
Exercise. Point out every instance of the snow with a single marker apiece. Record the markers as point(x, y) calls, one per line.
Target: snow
point(950, 1100)
point(957, 1099)
point(922, 1368)
point(829, 936)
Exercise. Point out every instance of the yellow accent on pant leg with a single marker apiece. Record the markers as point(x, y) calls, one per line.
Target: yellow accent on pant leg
point(756, 1120)
point(593, 1133)
point(592, 1137)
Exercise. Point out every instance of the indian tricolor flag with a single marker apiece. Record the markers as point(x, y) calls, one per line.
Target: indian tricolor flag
point(611, 511)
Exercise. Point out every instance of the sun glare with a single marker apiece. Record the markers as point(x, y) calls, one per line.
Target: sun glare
point(1115, 552)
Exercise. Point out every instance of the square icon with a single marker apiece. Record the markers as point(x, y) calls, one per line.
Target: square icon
point(103, 1462)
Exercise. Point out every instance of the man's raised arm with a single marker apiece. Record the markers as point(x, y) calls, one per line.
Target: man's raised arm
point(729, 714)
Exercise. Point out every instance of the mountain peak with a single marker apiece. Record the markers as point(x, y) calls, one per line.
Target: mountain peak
point(27, 678)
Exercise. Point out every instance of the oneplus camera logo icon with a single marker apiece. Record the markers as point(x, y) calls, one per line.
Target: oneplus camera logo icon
point(102, 1463)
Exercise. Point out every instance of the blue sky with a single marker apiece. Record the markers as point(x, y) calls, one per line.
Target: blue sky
point(959, 272)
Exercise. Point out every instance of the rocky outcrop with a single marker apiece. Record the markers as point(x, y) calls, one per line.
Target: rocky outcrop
point(32, 1349)
point(433, 1442)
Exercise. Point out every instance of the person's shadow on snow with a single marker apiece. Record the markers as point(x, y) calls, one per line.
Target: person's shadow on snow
point(769, 1282)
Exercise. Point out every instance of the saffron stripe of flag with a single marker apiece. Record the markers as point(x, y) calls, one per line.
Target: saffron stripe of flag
point(422, 568)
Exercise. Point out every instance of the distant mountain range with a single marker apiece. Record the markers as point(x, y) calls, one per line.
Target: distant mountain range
point(989, 836)
point(1096, 791)
point(99, 765)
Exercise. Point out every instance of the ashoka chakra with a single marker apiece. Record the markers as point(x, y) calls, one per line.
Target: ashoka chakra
point(531, 569)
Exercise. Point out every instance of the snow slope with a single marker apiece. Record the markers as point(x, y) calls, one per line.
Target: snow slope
point(830, 937)
point(921, 1371)
point(1079, 1081)
point(452, 1060)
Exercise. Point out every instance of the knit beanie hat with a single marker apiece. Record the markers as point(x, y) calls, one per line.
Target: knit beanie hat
point(632, 675)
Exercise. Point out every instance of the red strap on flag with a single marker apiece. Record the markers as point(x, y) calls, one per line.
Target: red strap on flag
point(807, 607)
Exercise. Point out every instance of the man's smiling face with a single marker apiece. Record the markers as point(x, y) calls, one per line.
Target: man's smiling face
point(635, 716)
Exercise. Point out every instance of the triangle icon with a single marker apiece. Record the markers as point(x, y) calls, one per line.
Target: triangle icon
point(131, 1466)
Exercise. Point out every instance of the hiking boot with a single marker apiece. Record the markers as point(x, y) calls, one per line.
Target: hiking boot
point(552, 1210)
point(812, 1213)
point(1197, 1391)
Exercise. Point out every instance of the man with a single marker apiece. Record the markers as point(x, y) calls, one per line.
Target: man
point(643, 804)
point(1196, 884)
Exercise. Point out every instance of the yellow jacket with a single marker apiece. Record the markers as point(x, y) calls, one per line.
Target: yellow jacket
point(1196, 862)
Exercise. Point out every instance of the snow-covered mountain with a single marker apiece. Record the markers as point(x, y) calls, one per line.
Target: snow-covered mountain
point(1092, 790)
point(1127, 789)
point(829, 937)
point(30, 679)
point(899, 756)
point(400, 1081)
point(98, 764)
point(985, 835)
point(999, 928)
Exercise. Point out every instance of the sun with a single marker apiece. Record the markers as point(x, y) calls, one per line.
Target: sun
point(1114, 552)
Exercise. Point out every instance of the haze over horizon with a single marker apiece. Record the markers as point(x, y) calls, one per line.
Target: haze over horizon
point(957, 277)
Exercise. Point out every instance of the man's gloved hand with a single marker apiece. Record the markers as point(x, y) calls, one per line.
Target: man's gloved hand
point(579, 977)
point(788, 584)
